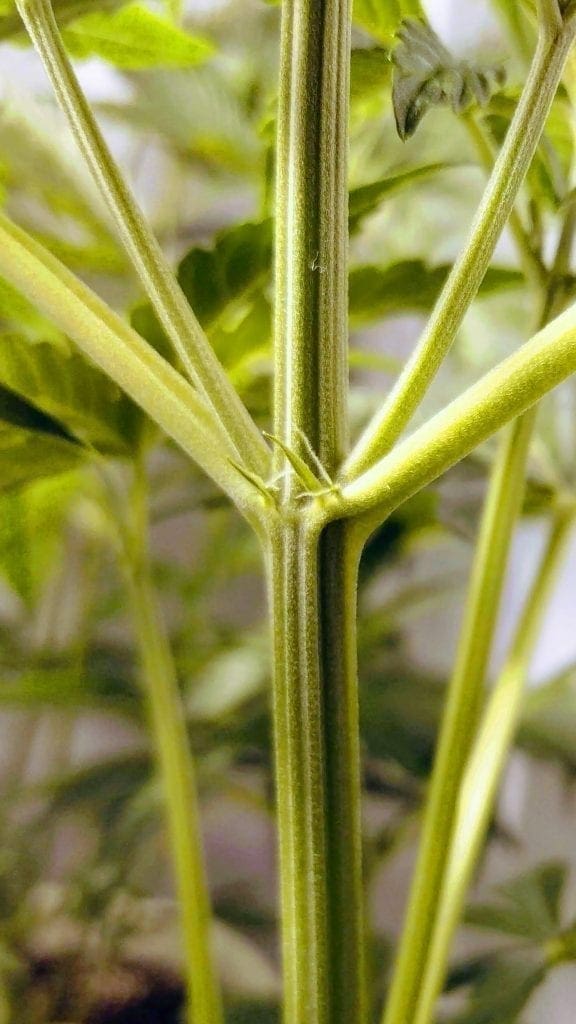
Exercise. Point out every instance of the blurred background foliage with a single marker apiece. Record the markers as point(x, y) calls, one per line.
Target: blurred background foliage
point(88, 932)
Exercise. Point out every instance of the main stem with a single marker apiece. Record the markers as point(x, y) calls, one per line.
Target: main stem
point(313, 574)
point(312, 580)
point(176, 769)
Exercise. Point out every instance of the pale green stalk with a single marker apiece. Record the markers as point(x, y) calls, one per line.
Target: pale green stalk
point(312, 574)
point(156, 276)
point(466, 690)
point(468, 271)
point(121, 353)
point(176, 768)
point(501, 395)
point(484, 768)
point(460, 716)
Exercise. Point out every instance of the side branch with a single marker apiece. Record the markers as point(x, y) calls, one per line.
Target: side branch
point(157, 278)
point(499, 396)
point(123, 355)
point(468, 272)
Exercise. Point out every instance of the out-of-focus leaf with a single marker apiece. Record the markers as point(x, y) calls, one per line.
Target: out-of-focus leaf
point(551, 164)
point(228, 681)
point(19, 413)
point(410, 286)
point(64, 386)
point(502, 988)
point(426, 75)
point(25, 457)
point(527, 906)
point(65, 11)
point(367, 198)
point(68, 689)
point(32, 531)
point(382, 18)
point(370, 71)
point(134, 37)
point(213, 279)
point(548, 724)
point(18, 314)
point(218, 283)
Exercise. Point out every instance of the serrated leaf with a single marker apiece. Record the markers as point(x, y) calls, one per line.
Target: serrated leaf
point(527, 906)
point(382, 18)
point(65, 387)
point(215, 281)
point(133, 38)
point(410, 286)
point(214, 278)
point(426, 75)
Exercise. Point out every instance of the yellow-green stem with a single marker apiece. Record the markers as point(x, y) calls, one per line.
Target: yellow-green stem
point(484, 769)
point(176, 770)
point(312, 587)
point(468, 271)
point(460, 718)
point(158, 280)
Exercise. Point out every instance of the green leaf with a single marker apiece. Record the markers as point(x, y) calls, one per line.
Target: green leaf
point(63, 386)
point(410, 287)
point(548, 725)
point(370, 71)
point(25, 457)
point(32, 531)
point(365, 199)
point(214, 278)
point(382, 18)
point(527, 906)
point(426, 75)
point(68, 689)
point(502, 988)
point(133, 38)
point(65, 11)
point(221, 284)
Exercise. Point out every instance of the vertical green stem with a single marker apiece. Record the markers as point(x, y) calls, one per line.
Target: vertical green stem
point(313, 577)
point(340, 548)
point(300, 776)
point(484, 769)
point(311, 354)
point(312, 592)
point(176, 769)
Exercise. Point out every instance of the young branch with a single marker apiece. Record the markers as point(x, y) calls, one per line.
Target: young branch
point(122, 354)
point(505, 392)
point(156, 276)
point(466, 689)
point(460, 717)
point(176, 769)
point(467, 274)
point(484, 768)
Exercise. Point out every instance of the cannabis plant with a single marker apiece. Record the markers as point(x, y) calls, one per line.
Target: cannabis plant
point(230, 376)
